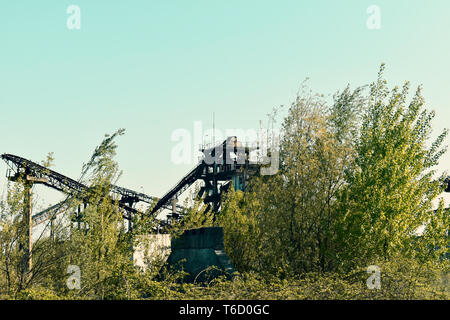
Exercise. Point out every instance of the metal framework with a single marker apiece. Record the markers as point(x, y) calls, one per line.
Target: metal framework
point(216, 169)
point(127, 198)
point(47, 214)
point(225, 164)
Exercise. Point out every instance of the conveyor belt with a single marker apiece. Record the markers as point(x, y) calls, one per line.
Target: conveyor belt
point(180, 187)
point(67, 185)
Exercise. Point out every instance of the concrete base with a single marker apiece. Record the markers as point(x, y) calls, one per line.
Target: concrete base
point(197, 250)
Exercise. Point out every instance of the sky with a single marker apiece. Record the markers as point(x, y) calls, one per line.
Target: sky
point(154, 67)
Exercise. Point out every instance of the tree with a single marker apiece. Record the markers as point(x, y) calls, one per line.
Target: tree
point(290, 218)
point(100, 247)
point(242, 233)
point(355, 184)
point(195, 215)
point(390, 192)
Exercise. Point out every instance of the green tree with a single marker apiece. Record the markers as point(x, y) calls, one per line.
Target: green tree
point(196, 215)
point(242, 233)
point(285, 223)
point(356, 181)
point(390, 192)
point(101, 247)
point(15, 275)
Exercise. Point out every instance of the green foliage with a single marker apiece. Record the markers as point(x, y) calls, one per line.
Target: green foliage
point(197, 215)
point(242, 234)
point(285, 224)
point(390, 192)
point(100, 246)
point(38, 293)
point(355, 184)
point(400, 280)
point(15, 276)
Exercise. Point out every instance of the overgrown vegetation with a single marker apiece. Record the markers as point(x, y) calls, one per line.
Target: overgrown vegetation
point(356, 182)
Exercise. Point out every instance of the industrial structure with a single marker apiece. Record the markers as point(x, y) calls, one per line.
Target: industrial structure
point(224, 164)
point(220, 166)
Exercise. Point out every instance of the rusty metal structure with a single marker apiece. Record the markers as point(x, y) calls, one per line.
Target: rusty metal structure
point(221, 165)
point(19, 167)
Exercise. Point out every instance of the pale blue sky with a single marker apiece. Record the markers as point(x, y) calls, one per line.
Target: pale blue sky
point(152, 67)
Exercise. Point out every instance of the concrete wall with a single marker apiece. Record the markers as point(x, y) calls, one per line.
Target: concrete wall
point(149, 248)
point(194, 251)
point(200, 249)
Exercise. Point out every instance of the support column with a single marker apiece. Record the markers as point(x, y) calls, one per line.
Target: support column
point(28, 219)
point(52, 230)
point(174, 208)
